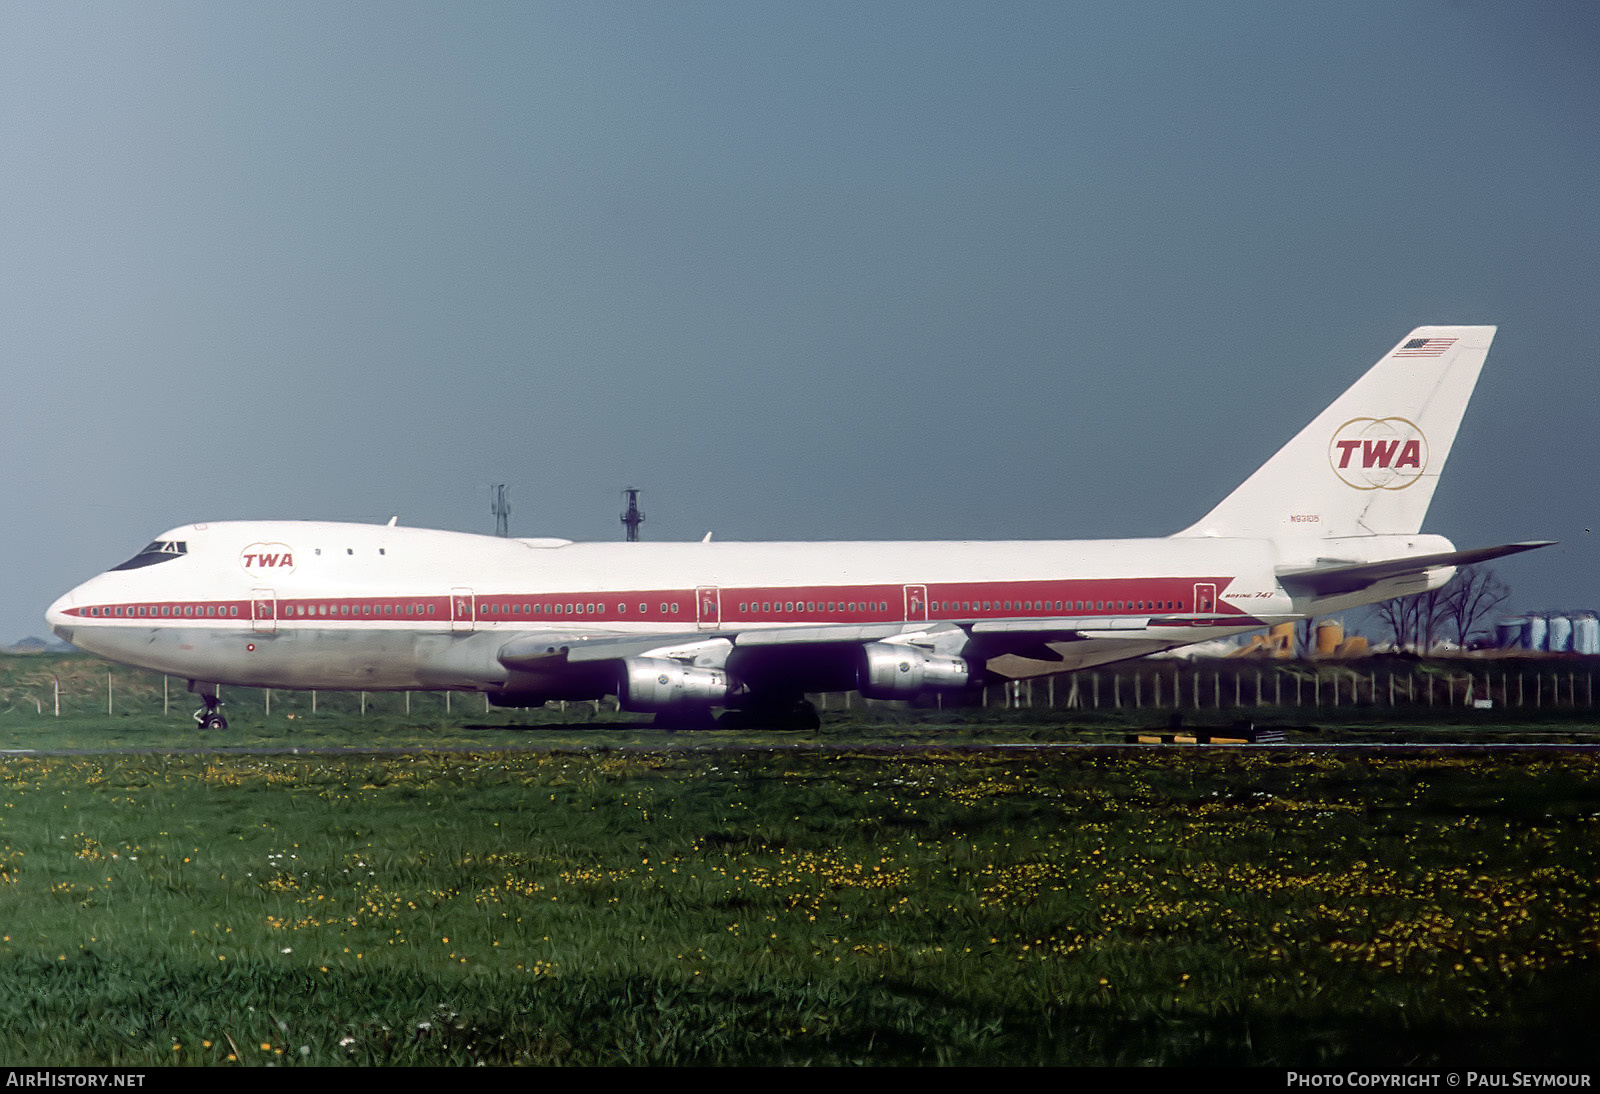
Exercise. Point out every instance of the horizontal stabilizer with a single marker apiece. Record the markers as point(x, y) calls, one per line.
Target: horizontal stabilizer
point(1333, 580)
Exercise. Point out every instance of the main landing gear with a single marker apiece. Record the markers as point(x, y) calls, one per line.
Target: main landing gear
point(784, 714)
point(685, 717)
point(208, 717)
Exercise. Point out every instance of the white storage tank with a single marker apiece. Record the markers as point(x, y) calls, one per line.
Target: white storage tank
point(1586, 634)
point(1558, 634)
point(1534, 637)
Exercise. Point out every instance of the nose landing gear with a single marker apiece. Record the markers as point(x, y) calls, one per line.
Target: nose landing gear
point(209, 717)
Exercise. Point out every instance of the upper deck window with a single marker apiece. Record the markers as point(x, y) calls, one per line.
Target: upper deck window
point(162, 550)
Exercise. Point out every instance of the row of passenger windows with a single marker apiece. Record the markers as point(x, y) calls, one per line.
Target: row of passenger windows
point(181, 610)
point(320, 610)
point(944, 606)
point(230, 611)
point(665, 608)
point(815, 606)
point(1058, 605)
point(357, 609)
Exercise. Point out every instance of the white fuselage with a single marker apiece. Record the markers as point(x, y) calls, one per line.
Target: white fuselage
point(323, 605)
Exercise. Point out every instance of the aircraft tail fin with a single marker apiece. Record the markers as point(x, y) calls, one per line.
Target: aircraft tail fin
point(1369, 463)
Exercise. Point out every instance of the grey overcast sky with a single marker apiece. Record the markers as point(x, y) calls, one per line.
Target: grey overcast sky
point(798, 270)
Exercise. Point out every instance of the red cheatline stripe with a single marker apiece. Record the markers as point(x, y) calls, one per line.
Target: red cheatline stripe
point(841, 604)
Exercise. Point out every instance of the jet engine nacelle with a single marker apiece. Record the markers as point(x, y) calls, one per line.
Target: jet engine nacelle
point(900, 672)
point(655, 684)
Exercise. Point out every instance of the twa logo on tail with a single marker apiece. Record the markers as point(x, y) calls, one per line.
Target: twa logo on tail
point(267, 558)
point(1378, 453)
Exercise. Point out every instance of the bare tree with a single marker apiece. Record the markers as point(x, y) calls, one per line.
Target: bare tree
point(1306, 632)
point(1415, 621)
point(1473, 593)
point(1395, 615)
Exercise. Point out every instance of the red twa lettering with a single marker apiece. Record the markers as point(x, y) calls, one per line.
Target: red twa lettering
point(1382, 453)
point(268, 560)
point(1377, 453)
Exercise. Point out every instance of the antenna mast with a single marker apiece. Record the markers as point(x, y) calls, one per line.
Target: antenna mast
point(500, 506)
point(632, 518)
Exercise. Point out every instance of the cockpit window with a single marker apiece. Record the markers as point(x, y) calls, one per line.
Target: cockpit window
point(162, 550)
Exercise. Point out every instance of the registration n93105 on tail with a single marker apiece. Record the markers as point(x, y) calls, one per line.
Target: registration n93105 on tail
point(1330, 522)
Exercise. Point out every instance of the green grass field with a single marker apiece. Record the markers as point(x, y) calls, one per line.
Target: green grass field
point(1551, 700)
point(1241, 906)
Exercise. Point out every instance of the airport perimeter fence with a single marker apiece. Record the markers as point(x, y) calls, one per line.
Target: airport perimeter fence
point(1211, 686)
point(76, 687)
point(122, 692)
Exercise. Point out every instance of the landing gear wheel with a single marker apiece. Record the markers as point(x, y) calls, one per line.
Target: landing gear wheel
point(805, 717)
point(209, 717)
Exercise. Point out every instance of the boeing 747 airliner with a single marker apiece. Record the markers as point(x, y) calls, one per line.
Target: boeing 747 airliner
point(1330, 522)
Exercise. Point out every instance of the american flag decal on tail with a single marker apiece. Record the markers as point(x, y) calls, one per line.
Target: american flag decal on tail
point(1424, 347)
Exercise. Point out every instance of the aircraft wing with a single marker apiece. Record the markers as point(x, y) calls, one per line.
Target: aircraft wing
point(1349, 577)
point(542, 650)
point(1009, 647)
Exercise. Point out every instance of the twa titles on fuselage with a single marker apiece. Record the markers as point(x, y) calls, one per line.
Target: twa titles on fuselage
point(1330, 522)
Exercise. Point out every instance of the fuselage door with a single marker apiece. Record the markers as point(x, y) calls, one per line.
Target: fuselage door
point(1205, 599)
point(463, 611)
point(263, 611)
point(916, 603)
point(708, 607)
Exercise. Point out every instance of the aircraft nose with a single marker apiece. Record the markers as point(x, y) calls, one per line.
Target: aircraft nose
point(58, 619)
